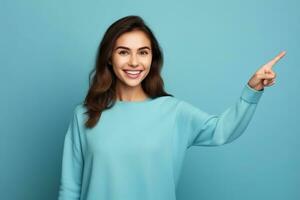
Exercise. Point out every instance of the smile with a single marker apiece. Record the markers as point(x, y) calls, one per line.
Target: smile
point(133, 73)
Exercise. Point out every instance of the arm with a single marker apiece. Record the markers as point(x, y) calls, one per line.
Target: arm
point(212, 130)
point(204, 129)
point(72, 163)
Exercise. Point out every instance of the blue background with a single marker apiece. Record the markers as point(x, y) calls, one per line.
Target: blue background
point(211, 48)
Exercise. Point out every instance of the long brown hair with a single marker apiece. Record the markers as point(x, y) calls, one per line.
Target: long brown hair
point(102, 80)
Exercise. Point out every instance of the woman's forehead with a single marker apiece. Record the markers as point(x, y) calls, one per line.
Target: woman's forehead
point(133, 40)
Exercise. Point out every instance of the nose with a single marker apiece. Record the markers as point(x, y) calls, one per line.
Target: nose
point(133, 61)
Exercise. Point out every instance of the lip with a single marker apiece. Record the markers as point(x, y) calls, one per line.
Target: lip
point(132, 69)
point(133, 76)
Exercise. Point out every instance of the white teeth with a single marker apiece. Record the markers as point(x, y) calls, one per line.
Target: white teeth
point(132, 71)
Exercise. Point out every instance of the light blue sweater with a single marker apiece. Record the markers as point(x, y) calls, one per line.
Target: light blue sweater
point(137, 149)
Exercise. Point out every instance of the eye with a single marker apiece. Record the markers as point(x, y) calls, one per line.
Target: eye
point(144, 52)
point(123, 52)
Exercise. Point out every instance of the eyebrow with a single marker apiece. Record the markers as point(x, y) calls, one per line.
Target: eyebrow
point(122, 47)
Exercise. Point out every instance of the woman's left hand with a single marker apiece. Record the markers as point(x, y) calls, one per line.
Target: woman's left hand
point(265, 76)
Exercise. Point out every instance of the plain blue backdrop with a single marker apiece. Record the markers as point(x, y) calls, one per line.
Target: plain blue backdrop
point(212, 48)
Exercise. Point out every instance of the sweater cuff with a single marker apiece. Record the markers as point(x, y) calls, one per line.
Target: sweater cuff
point(251, 95)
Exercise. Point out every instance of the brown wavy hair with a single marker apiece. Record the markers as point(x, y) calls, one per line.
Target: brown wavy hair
point(102, 80)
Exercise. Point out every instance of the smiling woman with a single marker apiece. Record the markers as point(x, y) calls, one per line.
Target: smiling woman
point(131, 61)
point(136, 150)
point(126, 54)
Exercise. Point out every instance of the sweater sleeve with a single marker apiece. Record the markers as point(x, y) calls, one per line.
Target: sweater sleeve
point(204, 129)
point(72, 163)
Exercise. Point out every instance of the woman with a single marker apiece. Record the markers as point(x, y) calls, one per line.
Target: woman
point(135, 150)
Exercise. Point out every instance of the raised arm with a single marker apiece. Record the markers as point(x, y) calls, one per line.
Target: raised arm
point(204, 129)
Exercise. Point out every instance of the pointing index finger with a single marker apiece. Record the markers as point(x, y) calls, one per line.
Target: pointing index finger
point(276, 59)
point(280, 55)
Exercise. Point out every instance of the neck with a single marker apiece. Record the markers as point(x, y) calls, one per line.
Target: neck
point(127, 93)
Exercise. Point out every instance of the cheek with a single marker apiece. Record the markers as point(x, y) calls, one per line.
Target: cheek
point(147, 67)
point(119, 62)
point(147, 62)
point(117, 65)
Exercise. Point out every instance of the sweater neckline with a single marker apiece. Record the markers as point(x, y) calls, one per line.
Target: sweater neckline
point(148, 99)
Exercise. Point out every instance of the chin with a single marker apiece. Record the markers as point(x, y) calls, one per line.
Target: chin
point(131, 83)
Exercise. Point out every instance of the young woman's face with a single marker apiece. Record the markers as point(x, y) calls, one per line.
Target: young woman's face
point(132, 57)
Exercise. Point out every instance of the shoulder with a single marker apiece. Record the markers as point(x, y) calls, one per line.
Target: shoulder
point(182, 108)
point(167, 102)
point(168, 99)
point(187, 111)
point(178, 103)
point(80, 108)
point(79, 111)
